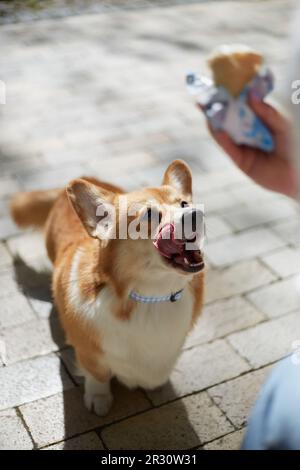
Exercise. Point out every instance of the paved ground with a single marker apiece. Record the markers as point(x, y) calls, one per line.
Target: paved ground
point(104, 94)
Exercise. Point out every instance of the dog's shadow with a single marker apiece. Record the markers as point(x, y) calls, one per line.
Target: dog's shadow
point(37, 288)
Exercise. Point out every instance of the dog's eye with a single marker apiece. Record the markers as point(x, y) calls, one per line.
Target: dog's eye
point(183, 204)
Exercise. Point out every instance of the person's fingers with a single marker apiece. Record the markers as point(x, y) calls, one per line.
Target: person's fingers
point(244, 157)
point(228, 145)
point(269, 115)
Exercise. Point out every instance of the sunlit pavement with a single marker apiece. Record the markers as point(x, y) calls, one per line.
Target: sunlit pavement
point(104, 94)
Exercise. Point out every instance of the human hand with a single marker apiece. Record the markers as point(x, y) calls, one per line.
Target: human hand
point(273, 170)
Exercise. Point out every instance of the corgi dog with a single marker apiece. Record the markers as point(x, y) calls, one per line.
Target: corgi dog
point(126, 303)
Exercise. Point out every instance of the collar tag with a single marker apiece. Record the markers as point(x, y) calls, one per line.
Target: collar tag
point(175, 297)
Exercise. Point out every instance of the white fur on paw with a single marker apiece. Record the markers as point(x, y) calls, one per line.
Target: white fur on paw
point(99, 403)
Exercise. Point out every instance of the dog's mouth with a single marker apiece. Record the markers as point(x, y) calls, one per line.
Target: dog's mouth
point(177, 252)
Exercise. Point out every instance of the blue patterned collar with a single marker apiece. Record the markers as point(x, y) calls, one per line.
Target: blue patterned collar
point(153, 300)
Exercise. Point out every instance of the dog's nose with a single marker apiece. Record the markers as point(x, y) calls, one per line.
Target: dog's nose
point(192, 222)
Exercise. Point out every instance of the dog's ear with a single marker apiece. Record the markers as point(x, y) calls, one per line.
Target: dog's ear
point(179, 176)
point(94, 207)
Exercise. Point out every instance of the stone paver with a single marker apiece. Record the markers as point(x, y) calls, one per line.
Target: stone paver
point(237, 396)
point(179, 425)
point(13, 432)
point(242, 246)
point(258, 213)
point(252, 193)
point(15, 310)
point(67, 415)
point(7, 228)
point(121, 112)
point(225, 179)
point(27, 381)
point(8, 283)
point(123, 162)
point(42, 307)
point(51, 178)
point(221, 318)
point(34, 338)
point(237, 279)
point(231, 441)
point(268, 341)
point(4, 208)
point(199, 368)
point(8, 186)
point(216, 227)
point(218, 200)
point(284, 262)
point(278, 298)
point(30, 247)
point(5, 258)
point(289, 231)
point(88, 441)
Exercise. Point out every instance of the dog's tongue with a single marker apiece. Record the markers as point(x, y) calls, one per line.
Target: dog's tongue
point(166, 243)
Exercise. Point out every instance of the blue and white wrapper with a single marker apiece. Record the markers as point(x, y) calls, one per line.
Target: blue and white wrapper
point(232, 114)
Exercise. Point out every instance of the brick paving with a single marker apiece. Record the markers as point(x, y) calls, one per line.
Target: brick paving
point(103, 93)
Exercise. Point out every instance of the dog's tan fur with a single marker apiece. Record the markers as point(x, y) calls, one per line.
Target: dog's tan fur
point(114, 265)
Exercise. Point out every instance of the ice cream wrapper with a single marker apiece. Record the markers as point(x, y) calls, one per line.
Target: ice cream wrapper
point(232, 114)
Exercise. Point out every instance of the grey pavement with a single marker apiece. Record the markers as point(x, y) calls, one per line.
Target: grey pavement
point(103, 94)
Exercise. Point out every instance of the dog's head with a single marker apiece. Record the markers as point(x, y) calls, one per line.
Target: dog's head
point(150, 229)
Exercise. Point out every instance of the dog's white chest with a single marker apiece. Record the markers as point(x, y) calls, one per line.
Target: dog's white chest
point(142, 351)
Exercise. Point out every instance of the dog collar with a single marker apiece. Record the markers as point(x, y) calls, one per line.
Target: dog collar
point(153, 300)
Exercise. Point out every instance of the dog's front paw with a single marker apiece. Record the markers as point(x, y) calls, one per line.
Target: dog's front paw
point(99, 403)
